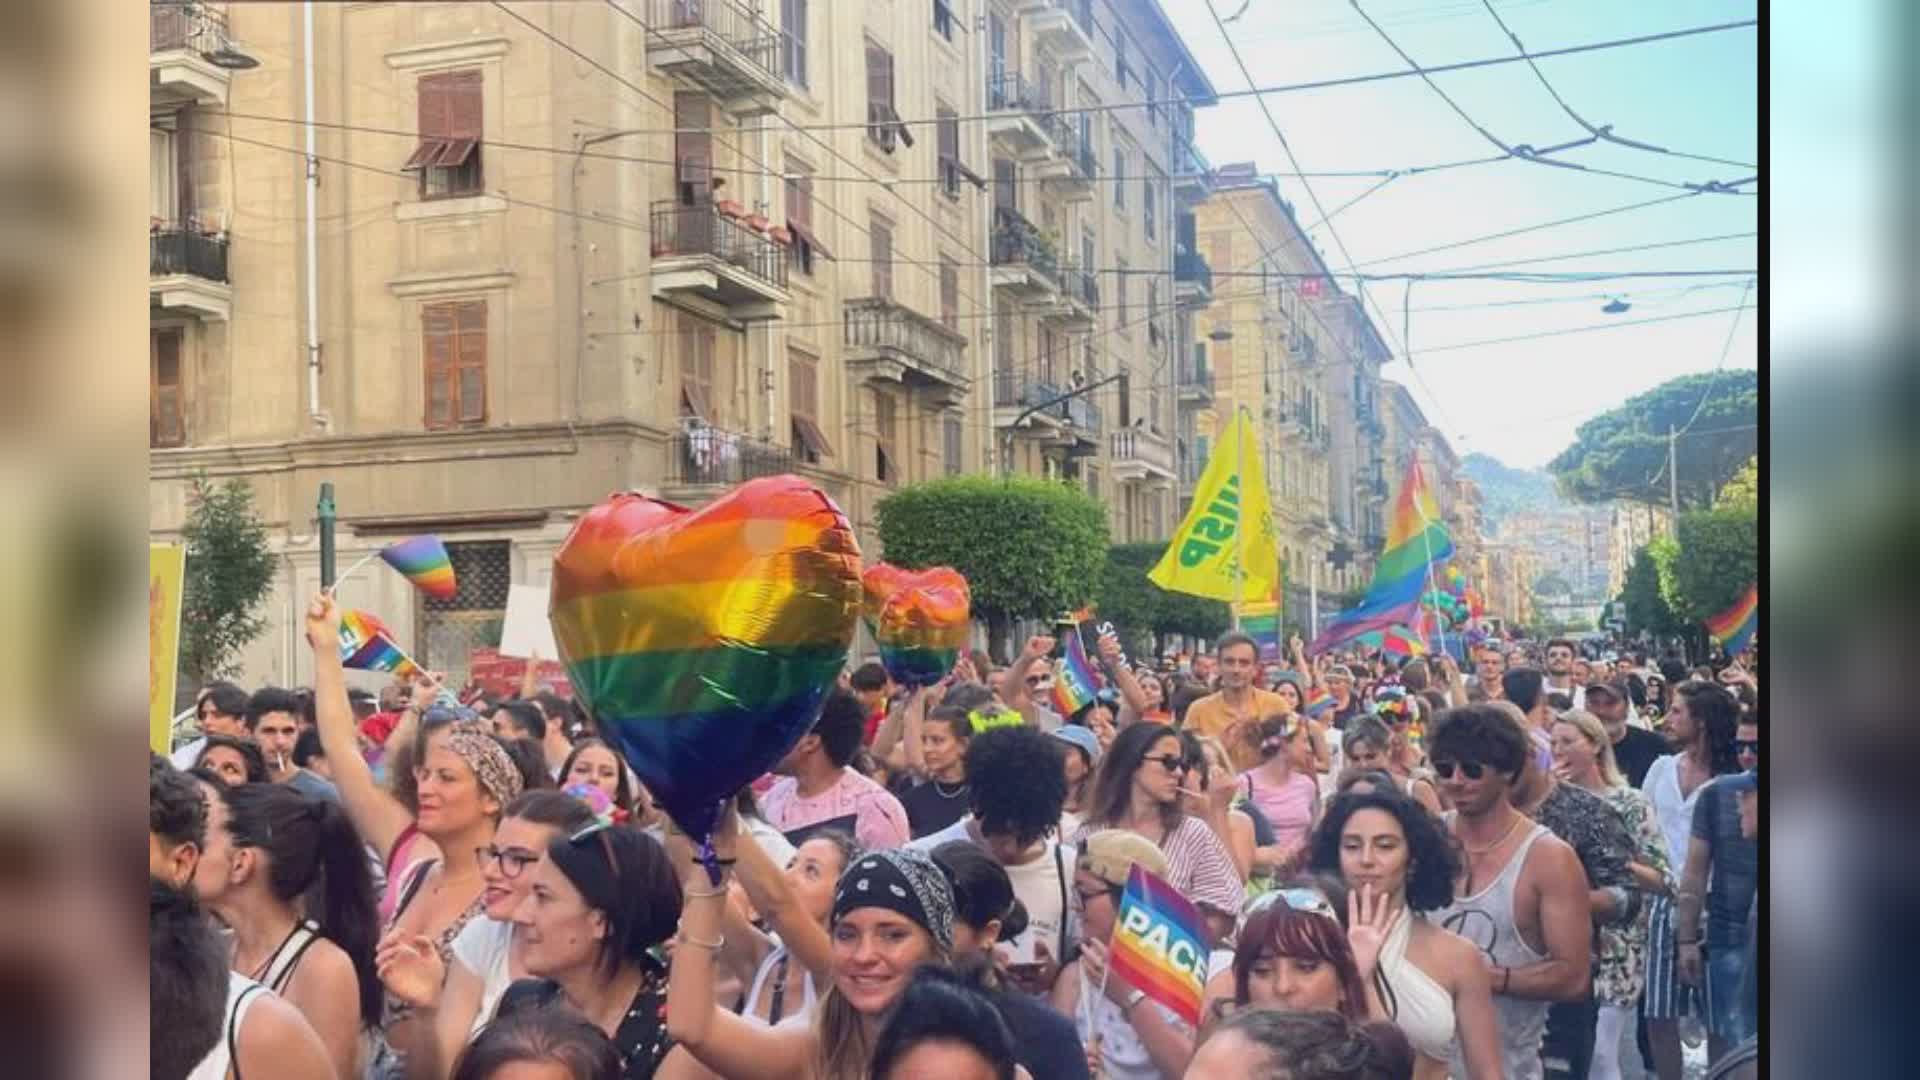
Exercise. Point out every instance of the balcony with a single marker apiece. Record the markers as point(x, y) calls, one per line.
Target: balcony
point(890, 343)
point(187, 272)
point(1024, 262)
point(1014, 392)
point(1192, 280)
point(1142, 455)
point(181, 39)
point(1020, 120)
point(701, 252)
point(703, 462)
point(1073, 171)
point(1192, 176)
point(1065, 27)
point(1194, 380)
point(1290, 423)
point(1079, 303)
point(721, 47)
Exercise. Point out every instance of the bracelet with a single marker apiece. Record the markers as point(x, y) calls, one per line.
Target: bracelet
point(712, 946)
point(703, 895)
point(698, 861)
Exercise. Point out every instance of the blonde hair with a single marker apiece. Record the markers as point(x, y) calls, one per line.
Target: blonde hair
point(1595, 732)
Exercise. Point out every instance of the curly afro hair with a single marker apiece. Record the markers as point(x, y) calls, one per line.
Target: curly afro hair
point(1017, 780)
point(1433, 857)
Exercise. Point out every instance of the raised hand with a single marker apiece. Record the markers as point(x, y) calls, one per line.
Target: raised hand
point(323, 622)
point(1368, 919)
point(1039, 646)
point(410, 968)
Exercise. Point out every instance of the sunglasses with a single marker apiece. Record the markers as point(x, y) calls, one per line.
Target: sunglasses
point(1173, 763)
point(1310, 901)
point(598, 828)
point(1747, 746)
point(1088, 896)
point(512, 860)
point(1472, 770)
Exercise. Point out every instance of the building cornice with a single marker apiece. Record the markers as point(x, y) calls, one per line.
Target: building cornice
point(390, 448)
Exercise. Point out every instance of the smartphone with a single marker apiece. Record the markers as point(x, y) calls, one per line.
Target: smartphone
point(1061, 628)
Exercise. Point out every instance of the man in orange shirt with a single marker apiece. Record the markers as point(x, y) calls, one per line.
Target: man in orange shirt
point(1238, 704)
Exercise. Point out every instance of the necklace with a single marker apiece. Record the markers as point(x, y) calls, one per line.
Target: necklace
point(1504, 837)
point(940, 789)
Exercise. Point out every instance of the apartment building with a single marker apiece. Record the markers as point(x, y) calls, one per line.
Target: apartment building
point(1091, 294)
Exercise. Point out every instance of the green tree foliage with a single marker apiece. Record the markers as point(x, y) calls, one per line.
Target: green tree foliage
point(229, 571)
point(1646, 609)
point(1552, 583)
point(1744, 489)
point(1029, 548)
point(1622, 454)
point(1138, 607)
point(1715, 557)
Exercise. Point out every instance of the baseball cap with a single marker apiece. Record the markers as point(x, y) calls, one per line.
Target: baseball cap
point(1340, 671)
point(1080, 738)
point(1613, 687)
point(1111, 854)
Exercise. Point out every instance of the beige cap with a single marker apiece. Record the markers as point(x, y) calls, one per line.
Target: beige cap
point(1110, 855)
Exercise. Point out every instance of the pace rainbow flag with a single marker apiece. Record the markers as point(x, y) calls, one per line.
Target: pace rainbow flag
point(1416, 542)
point(1073, 681)
point(1159, 946)
point(367, 645)
point(1734, 627)
point(424, 561)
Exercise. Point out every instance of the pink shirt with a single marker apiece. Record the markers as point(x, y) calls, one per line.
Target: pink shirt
point(1288, 807)
point(877, 818)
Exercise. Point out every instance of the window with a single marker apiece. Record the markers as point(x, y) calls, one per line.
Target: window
point(881, 235)
point(1124, 391)
point(447, 630)
point(952, 170)
point(806, 244)
point(1119, 177)
point(1122, 71)
point(883, 122)
point(456, 362)
point(448, 155)
point(1120, 295)
point(1154, 94)
point(793, 42)
point(1003, 340)
point(949, 293)
point(695, 338)
point(162, 173)
point(886, 426)
point(943, 18)
point(167, 410)
point(803, 401)
point(1006, 185)
point(1149, 199)
point(1153, 310)
point(997, 65)
point(1048, 343)
point(693, 149)
point(953, 452)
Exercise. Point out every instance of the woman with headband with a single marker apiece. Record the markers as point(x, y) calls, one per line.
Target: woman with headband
point(1292, 953)
point(463, 781)
point(892, 913)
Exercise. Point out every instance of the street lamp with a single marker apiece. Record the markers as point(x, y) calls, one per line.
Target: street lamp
point(1006, 457)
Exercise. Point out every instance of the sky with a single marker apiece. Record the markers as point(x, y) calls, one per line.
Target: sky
point(1522, 401)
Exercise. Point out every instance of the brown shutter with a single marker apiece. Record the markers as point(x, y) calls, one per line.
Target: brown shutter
point(882, 237)
point(1006, 188)
point(949, 135)
point(950, 294)
point(465, 115)
point(470, 384)
point(168, 410)
point(693, 150)
point(439, 331)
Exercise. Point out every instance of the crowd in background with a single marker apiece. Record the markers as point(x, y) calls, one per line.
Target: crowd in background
point(1541, 866)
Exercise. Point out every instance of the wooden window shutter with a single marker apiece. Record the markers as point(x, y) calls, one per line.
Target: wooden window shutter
point(949, 135)
point(464, 105)
point(167, 425)
point(439, 330)
point(470, 384)
point(950, 294)
point(693, 150)
point(1006, 188)
point(882, 237)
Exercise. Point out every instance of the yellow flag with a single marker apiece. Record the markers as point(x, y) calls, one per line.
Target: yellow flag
point(167, 568)
point(1229, 525)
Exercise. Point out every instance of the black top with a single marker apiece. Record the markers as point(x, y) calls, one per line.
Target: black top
point(933, 806)
point(1637, 751)
point(642, 1038)
point(1044, 1041)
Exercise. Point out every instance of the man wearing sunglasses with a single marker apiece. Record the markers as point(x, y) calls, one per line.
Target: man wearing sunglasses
point(1524, 901)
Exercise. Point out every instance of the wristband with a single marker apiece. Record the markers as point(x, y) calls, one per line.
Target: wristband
point(711, 946)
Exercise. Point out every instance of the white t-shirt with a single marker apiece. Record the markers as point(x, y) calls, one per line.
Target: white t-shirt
point(1123, 1056)
point(1043, 887)
point(1673, 812)
point(481, 947)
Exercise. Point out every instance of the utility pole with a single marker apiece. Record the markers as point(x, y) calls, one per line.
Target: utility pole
point(325, 512)
point(1673, 474)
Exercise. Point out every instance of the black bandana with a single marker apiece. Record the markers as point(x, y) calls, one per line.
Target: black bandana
point(906, 883)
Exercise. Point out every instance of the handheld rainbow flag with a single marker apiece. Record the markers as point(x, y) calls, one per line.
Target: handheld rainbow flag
point(1319, 702)
point(1261, 622)
point(1734, 627)
point(1073, 681)
point(1159, 946)
point(424, 561)
point(1416, 541)
point(367, 645)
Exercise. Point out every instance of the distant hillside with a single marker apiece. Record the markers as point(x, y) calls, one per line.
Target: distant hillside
point(1507, 491)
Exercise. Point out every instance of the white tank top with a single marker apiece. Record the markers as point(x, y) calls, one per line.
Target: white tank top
point(1422, 1008)
point(242, 992)
point(1486, 919)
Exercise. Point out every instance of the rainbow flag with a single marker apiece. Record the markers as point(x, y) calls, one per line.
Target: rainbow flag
point(367, 645)
point(1734, 627)
point(1073, 681)
point(1416, 541)
point(1159, 945)
point(424, 561)
point(1395, 641)
point(1261, 622)
point(1318, 703)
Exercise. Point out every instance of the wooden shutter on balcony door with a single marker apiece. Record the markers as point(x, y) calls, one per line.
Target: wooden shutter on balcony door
point(168, 402)
point(693, 150)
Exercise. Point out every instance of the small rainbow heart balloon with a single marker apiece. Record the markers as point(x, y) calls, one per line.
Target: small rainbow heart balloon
point(921, 619)
point(703, 642)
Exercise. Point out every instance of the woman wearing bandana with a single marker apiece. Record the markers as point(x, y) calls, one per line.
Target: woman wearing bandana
point(892, 913)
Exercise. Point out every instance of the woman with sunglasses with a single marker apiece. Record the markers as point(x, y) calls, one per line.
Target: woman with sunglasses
point(456, 998)
point(1387, 850)
point(1139, 787)
point(892, 913)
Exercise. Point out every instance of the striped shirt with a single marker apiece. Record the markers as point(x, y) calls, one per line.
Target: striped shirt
point(1199, 866)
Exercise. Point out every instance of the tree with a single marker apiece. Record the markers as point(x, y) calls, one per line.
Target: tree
point(1137, 606)
point(1029, 548)
point(1622, 454)
point(229, 570)
point(1646, 610)
point(1714, 557)
point(1552, 583)
point(1744, 489)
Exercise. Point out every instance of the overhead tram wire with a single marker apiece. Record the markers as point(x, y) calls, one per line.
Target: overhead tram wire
point(1603, 133)
point(1505, 233)
point(1587, 329)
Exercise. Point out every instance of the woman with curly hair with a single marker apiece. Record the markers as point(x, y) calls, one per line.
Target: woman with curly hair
point(1430, 982)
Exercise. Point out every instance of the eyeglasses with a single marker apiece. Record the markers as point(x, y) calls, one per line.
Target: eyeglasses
point(1088, 896)
point(1747, 746)
point(1472, 770)
point(1173, 763)
point(512, 860)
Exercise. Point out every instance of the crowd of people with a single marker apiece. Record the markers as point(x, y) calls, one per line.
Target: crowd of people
point(1544, 866)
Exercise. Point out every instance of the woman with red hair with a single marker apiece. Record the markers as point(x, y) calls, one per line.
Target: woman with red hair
point(1292, 953)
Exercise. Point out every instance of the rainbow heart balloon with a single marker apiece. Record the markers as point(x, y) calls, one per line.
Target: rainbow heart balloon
point(704, 641)
point(921, 619)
